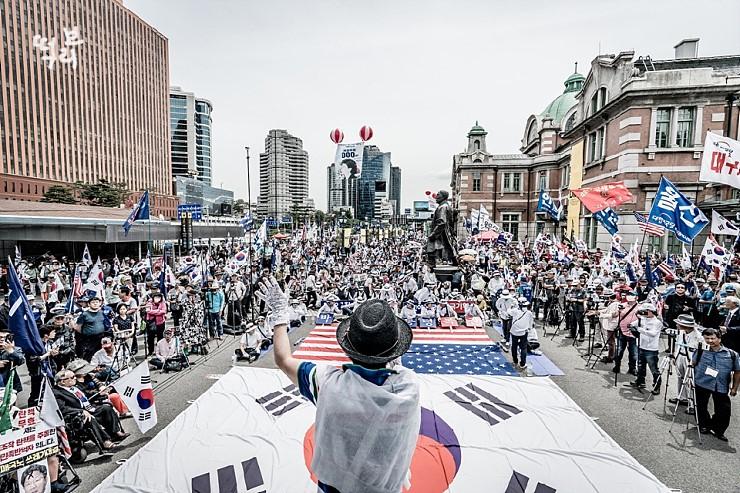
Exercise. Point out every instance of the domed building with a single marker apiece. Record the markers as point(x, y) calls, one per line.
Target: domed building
point(507, 186)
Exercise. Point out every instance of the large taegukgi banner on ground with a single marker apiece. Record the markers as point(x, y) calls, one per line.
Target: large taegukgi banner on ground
point(252, 431)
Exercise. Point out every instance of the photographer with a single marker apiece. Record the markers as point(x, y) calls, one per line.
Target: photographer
point(648, 327)
point(687, 341)
point(47, 333)
point(677, 303)
point(717, 374)
point(625, 338)
point(576, 309)
point(609, 321)
point(64, 339)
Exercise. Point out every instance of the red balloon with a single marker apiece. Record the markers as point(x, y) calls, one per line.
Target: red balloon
point(366, 133)
point(434, 195)
point(336, 136)
point(428, 192)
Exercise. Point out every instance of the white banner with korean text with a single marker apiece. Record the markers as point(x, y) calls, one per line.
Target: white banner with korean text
point(720, 162)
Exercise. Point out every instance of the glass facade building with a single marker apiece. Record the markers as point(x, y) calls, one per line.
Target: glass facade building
point(190, 135)
point(374, 181)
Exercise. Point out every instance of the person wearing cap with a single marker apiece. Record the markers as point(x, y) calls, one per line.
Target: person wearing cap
point(649, 326)
point(522, 321)
point(155, 318)
point(103, 360)
point(609, 322)
point(330, 306)
point(428, 309)
point(716, 375)
point(297, 313)
point(626, 340)
point(408, 312)
point(64, 339)
point(215, 304)
point(167, 348)
point(367, 409)
point(249, 345)
point(504, 304)
point(90, 328)
point(687, 341)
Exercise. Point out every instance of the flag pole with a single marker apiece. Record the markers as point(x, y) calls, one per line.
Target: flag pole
point(149, 234)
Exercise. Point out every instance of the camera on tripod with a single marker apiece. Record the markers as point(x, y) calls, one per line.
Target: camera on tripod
point(672, 332)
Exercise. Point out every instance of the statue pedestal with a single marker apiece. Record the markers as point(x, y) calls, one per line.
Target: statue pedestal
point(445, 272)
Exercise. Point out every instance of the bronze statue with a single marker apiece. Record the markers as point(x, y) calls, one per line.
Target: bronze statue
point(440, 247)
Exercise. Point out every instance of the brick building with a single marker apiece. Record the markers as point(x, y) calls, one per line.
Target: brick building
point(103, 116)
point(629, 119)
point(638, 119)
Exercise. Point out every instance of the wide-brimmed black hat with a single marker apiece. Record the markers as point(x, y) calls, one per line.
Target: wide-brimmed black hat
point(374, 334)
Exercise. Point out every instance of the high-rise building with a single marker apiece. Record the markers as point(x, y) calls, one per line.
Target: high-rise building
point(374, 181)
point(190, 131)
point(395, 190)
point(341, 192)
point(83, 112)
point(283, 176)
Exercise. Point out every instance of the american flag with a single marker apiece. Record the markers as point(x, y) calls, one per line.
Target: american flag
point(665, 269)
point(461, 351)
point(649, 228)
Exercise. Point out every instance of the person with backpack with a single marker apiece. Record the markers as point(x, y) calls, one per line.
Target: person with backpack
point(716, 375)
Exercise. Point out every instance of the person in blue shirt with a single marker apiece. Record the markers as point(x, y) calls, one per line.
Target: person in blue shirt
point(214, 310)
point(524, 290)
point(367, 413)
point(716, 375)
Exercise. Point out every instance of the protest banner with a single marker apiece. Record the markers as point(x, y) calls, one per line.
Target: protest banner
point(31, 440)
point(720, 162)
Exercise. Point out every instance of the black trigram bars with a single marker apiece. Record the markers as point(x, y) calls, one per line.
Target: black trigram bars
point(518, 484)
point(281, 401)
point(487, 407)
point(146, 380)
point(128, 392)
point(227, 482)
point(143, 416)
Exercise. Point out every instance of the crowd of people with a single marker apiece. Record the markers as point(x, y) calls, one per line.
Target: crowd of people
point(180, 305)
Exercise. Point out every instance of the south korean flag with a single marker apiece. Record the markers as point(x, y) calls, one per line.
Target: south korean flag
point(136, 391)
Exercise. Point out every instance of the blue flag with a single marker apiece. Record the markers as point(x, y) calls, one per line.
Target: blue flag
point(247, 222)
point(546, 204)
point(675, 212)
point(649, 273)
point(140, 211)
point(609, 219)
point(21, 321)
point(163, 277)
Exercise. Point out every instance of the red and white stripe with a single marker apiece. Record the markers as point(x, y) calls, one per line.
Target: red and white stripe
point(321, 343)
point(649, 228)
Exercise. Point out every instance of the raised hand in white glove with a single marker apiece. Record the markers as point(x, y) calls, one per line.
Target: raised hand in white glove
point(276, 301)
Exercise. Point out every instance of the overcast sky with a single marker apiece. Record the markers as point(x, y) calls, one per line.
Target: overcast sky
point(420, 72)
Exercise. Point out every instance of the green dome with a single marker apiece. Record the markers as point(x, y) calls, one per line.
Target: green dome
point(560, 105)
point(477, 130)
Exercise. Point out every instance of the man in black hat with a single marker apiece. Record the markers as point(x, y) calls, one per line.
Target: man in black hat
point(362, 408)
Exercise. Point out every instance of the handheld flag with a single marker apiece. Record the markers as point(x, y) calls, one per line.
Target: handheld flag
point(685, 259)
point(546, 204)
point(715, 256)
point(18, 257)
point(607, 195)
point(675, 212)
point(261, 237)
point(649, 273)
point(647, 228)
point(609, 219)
point(720, 162)
point(136, 392)
point(723, 226)
point(96, 281)
point(247, 222)
point(86, 257)
point(6, 422)
point(140, 211)
point(21, 321)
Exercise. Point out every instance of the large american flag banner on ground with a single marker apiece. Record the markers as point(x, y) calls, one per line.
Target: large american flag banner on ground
point(462, 350)
point(478, 433)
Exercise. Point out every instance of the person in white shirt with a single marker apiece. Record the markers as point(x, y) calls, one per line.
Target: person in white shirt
point(522, 321)
point(428, 310)
point(504, 304)
point(297, 312)
point(165, 349)
point(330, 306)
point(423, 294)
point(687, 342)
point(609, 321)
point(102, 360)
point(444, 309)
point(410, 286)
point(408, 313)
point(649, 326)
point(249, 345)
point(311, 298)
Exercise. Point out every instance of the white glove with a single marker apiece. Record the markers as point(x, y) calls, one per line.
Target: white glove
point(276, 302)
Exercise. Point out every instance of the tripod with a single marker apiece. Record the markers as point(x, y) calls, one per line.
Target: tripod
point(121, 359)
point(593, 324)
point(688, 382)
point(666, 366)
point(558, 315)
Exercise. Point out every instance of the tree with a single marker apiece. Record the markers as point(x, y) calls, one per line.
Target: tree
point(59, 194)
point(103, 193)
point(239, 207)
point(319, 216)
